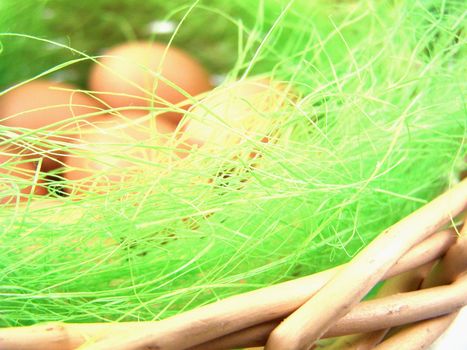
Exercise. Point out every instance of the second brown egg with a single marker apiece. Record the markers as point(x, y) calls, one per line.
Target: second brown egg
point(148, 74)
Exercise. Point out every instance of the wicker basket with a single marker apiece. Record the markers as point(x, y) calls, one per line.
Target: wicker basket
point(423, 258)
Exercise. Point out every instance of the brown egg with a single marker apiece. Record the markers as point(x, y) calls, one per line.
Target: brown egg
point(129, 75)
point(18, 178)
point(111, 150)
point(41, 104)
point(234, 113)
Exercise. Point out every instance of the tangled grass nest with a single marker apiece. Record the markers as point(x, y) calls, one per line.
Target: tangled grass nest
point(375, 129)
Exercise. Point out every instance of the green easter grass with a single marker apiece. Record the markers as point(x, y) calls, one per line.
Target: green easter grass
point(377, 128)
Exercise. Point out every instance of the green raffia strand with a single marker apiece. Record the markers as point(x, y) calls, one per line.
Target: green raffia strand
point(378, 128)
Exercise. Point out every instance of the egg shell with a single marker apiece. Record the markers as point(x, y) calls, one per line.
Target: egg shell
point(111, 150)
point(17, 178)
point(48, 105)
point(129, 75)
point(234, 113)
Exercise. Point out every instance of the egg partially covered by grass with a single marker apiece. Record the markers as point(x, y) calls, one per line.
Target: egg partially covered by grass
point(111, 151)
point(50, 107)
point(235, 113)
point(19, 178)
point(148, 74)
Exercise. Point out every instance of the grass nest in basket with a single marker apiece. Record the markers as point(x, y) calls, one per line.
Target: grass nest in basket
point(371, 127)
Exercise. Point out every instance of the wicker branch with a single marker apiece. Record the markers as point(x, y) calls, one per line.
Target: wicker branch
point(406, 282)
point(423, 334)
point(300, 330)
point(419, 336)
point(453, 264)
point(243, 307)
point(387, 312)
point(403, 308)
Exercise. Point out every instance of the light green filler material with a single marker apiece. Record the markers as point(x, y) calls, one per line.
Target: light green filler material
point(376, 128)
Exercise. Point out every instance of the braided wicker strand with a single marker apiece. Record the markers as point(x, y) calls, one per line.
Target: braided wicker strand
point(368, 316)
point(448, 270)
point(406, 282)
point(300, 330)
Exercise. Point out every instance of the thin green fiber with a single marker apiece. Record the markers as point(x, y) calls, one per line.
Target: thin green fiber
point(374, 128)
